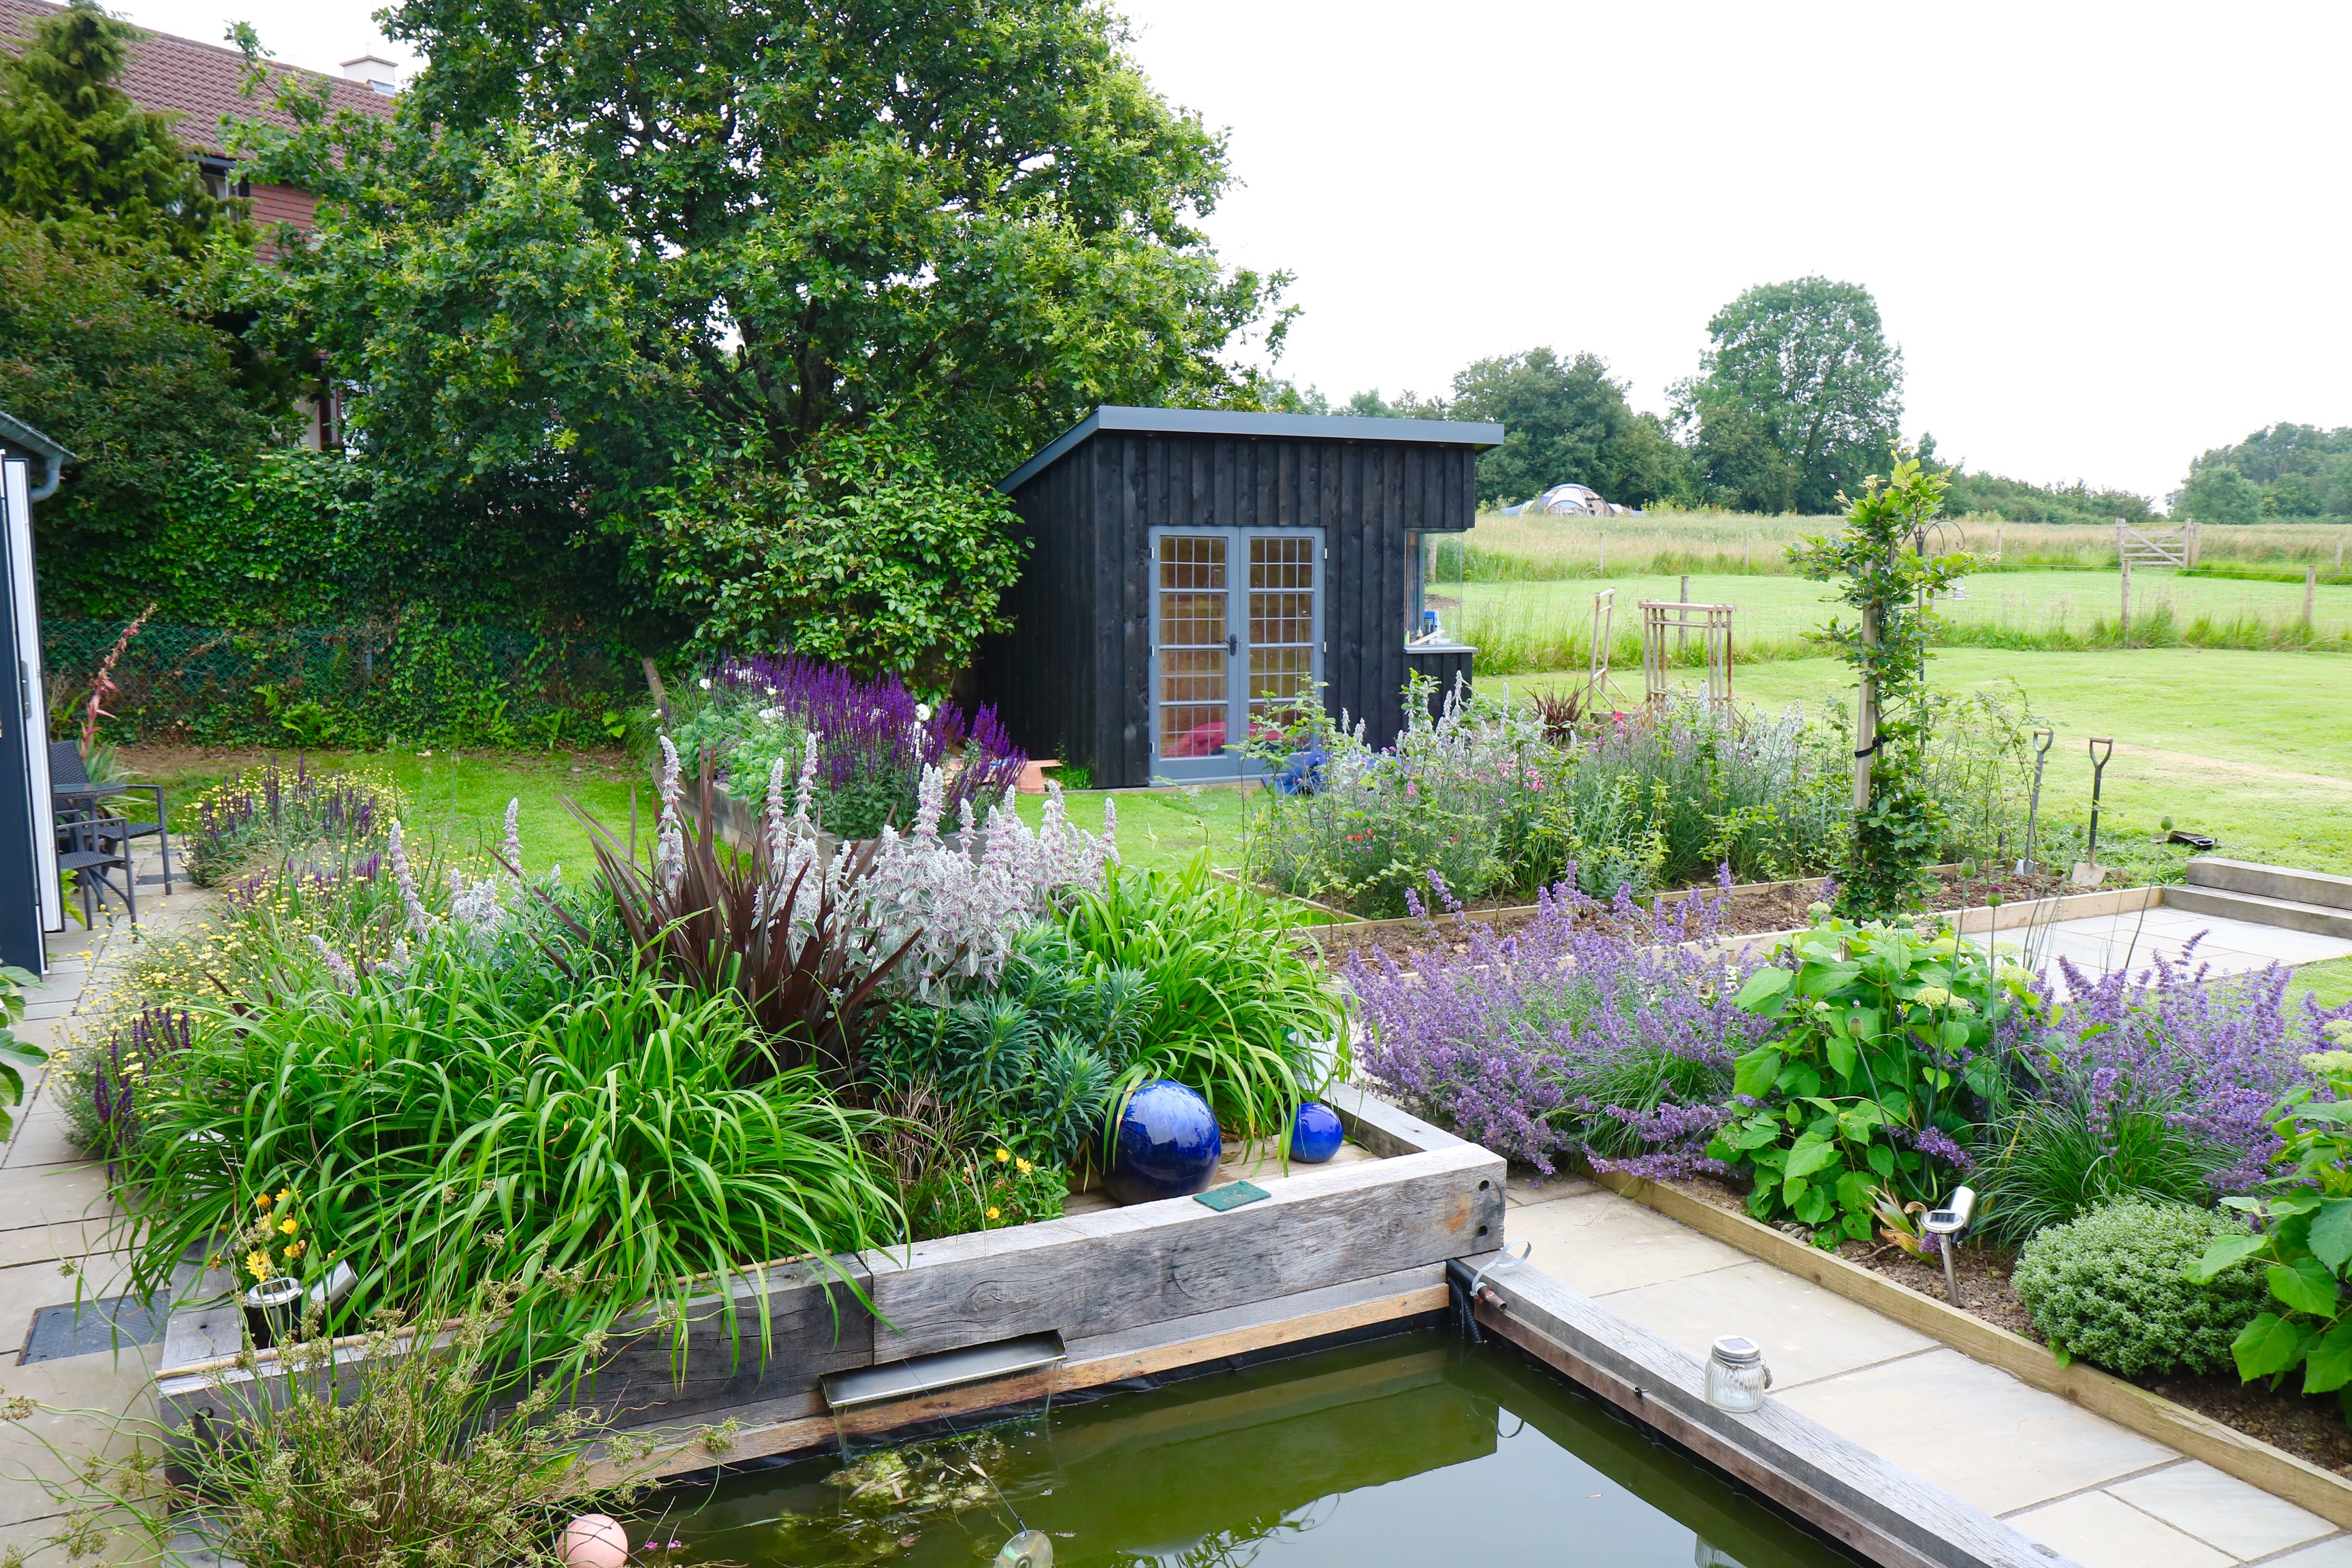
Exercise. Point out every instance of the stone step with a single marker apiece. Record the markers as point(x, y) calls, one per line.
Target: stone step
point(2318, 920)
point(2271, 881)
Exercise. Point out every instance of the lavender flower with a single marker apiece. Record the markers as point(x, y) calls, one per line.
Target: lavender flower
point(2213, 1054)
point(1590, 1031)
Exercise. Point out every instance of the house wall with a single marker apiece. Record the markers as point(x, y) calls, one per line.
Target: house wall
point(1073, 678)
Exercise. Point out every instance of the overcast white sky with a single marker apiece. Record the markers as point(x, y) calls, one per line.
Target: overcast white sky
point(2106, 237)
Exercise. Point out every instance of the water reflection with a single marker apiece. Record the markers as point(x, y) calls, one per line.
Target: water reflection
point(1409, 1450)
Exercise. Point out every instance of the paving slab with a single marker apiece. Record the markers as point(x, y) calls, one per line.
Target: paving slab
point(2100, 1531)
point(43, 1139)
point(1522, 1188)
point(1976, 1431)
point(1599, 1242)
point(2221, 1511)
point(2335, 1554)
point(1807, 1333)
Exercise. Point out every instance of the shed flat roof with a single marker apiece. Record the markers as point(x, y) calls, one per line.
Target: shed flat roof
point(1226, 422)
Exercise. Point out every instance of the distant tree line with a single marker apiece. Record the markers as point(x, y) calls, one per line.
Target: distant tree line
point(2283, 471)
point(1798, 398)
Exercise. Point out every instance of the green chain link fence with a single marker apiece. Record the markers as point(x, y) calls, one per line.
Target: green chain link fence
point(356, 686)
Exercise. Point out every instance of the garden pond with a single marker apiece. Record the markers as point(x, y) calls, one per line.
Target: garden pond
point(1413, 1448)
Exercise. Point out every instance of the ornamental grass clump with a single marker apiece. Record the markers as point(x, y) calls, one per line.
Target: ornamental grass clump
point(2113, 1288)
point(871, 741)
point(1590, 1032)
point(438, 1133)
point(1227, 997)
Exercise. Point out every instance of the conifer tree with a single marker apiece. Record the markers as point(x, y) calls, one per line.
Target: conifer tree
point(78, 158)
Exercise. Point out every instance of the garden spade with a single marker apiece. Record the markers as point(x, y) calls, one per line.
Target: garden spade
point(2042, 736)
point(2089, 873)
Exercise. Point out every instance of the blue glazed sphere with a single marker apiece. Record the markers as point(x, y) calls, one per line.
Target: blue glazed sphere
point(1166, 1144)
point(1315, 1132)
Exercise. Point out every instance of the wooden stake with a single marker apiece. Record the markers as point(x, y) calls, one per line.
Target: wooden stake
point(1997, 536)
point(1748, 553)
point(1682, 632)
point(2310, 587)
point(2126, 608)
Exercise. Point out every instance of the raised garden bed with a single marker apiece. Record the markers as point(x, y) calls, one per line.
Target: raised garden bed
point(2289, 1446)
point(1129, 1291)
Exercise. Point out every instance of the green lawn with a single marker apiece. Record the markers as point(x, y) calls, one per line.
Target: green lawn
point(462, 797)
point(2253, 749)
point(2329, 982)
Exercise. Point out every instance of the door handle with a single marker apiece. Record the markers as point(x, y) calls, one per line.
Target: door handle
point(1232, 645)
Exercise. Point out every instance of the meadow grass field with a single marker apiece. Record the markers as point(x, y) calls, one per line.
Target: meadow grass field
point(1553, 547)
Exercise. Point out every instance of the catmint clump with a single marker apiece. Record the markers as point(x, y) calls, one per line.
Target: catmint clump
point(1592, 1031)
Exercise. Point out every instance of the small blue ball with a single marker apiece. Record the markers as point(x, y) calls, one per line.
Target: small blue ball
point(1315, 1133)
point(1166, 1145)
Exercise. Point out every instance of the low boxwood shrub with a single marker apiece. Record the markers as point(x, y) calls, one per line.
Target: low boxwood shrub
point(2113, 1288)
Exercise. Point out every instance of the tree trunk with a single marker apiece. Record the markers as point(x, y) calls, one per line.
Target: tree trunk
point(1865, 729)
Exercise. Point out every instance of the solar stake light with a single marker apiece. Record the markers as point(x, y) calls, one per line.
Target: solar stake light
point(1949, 1223)
point(1736, 1376)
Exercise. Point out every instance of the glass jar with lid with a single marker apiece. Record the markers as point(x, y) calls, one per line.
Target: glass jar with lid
point(1736, 1376)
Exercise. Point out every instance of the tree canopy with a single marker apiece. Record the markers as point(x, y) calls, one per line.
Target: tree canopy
point(2280, 470)
point(597, 236)
point(1565, 423)
point(1797, 397)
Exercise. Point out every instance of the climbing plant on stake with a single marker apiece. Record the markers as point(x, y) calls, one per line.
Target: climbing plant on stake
point(1882, 574)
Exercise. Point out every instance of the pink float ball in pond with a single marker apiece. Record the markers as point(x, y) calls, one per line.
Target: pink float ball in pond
point(592, 1540)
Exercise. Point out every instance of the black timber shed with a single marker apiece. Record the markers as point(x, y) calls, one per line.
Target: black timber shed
point(1190, 567)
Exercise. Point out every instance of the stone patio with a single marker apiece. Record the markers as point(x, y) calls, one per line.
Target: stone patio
point(55, 1223)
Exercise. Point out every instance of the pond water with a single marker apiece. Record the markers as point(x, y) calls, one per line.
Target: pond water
point(1413, 1450)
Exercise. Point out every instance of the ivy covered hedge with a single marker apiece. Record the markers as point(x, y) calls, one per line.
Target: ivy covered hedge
point(418, 677)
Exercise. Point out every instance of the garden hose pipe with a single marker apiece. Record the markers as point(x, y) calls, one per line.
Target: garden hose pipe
point(2098, 773)
point(2043, 734)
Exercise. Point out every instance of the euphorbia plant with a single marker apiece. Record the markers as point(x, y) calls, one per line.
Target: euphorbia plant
point(1856, 1095)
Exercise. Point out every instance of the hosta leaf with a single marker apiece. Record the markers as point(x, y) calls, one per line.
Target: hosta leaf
point(1956, 1037)
point(2305, 1285)
point(2331, 1233)
point(2268, 1344)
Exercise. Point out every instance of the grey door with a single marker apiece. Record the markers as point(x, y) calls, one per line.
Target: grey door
point(1237, 637)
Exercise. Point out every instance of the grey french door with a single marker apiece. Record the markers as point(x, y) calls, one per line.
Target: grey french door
point(1236, 639)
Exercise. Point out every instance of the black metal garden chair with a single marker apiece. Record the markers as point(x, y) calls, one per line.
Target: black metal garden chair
point(92, 849)
point(76, 798)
